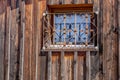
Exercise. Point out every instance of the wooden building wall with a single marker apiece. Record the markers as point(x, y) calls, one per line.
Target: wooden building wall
point(21, 41)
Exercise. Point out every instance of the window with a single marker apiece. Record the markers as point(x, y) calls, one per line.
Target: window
point(72, 28)
point(69, 25)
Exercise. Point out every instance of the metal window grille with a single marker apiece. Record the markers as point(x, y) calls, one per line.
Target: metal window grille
point(69, 30)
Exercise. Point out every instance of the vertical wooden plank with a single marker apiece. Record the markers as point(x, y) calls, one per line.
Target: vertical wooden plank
point(22, 37)
point(2, 37)
point(56, 66)
point(68, 66)
point(28, 39)
point(49, 66)
point(62, 66)
point(110, 40)
point(35, 40)
point(79, 1)
point(7, 41)
point(43, 68)
point(91, 1)
point(41, 9)
point(88, 66)
point(119, 34)
point(114, 39)
point(95, 58)
point(107, 39)
point(75, 65)
point(100, 39)
point(95, 66)
point(53, 2)
point(68, 1)
point(14, 41)
point(81, 67)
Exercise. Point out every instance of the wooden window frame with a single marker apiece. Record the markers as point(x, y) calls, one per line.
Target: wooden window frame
point(70, 8)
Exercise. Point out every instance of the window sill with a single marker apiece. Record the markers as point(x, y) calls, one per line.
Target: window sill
point(70, 48)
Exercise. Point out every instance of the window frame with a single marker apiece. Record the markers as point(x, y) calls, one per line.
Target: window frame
point(69, 8)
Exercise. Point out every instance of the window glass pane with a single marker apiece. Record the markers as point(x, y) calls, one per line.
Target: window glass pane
point(59, 25)
point(81, 27)
point(70, 20)
point(65, 28)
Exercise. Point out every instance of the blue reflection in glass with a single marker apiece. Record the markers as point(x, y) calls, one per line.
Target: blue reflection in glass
point(69, 21)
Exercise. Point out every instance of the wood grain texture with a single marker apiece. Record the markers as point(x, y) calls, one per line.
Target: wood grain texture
point(7, 42)
point(81, 67)
point(41, 9)
point(75, 63)
point(43, 68)
point(56, 66)
point(68, 66)
point(62, 63)
point(2, 38)
point(28, 39)
point(119, 34)
point(49, 66)
point(88, 66)
point(21, 43)
point(22, 37)
point(14, 42)
point(109, 44)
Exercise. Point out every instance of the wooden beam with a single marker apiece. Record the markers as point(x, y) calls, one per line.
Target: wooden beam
point(14, 38)
point(2, 38)
point(88, 66)
point(49, 66)
point(7, 43)
point(119, 34)
point(28, 47)
point(71, 49)
point(42, 68)
point(75, 65)
point(71, 8)
point(62, 75)
point(22, 33)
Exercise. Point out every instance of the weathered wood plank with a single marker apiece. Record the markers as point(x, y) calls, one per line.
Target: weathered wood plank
point(49, 66)
point(43, 68)
point(68, 1)
point(88, 66)
point(68, 66)
point(95, 66)
point(55, 66)
point(7, 41)
point(62, 75)
point(53, 2)
point(75, 65)
point(28, 39)
point(35, 40)
point(110, 41)
point(114, 39)
point(105, 40)
point(2, 38)
point(41, 9)
point(119, 34)
point(80, 1)
point(22, 37)
point(14, 42)
point(81, 67)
